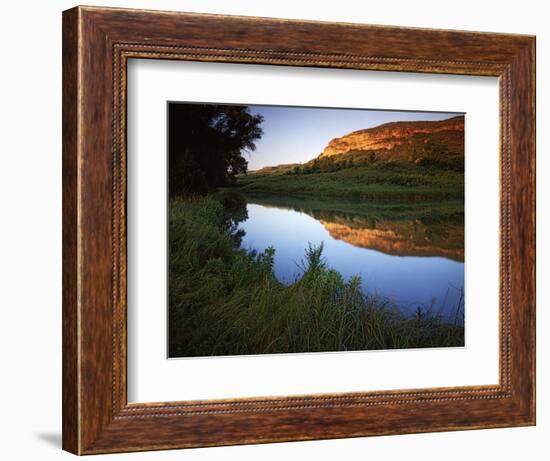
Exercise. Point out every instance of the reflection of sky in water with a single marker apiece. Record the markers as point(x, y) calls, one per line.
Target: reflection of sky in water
point(410, 281)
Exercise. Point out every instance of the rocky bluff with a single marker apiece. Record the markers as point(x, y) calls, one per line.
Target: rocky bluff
point(404, 141)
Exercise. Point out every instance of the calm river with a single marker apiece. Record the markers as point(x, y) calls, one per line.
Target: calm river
point(409, 261)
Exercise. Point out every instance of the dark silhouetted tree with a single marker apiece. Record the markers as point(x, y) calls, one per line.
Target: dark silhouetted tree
point(206, 143)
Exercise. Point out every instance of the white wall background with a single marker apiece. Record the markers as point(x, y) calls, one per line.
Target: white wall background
point(30, 228)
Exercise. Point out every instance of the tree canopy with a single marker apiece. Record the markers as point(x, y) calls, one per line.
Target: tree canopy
point(206, 143)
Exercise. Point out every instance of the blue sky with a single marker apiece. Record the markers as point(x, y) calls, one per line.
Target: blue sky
point(298, 134)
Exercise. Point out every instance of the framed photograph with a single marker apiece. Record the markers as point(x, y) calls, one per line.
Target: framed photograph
point(280, 230)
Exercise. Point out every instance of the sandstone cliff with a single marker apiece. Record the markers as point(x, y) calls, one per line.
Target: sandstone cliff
point(403, 141)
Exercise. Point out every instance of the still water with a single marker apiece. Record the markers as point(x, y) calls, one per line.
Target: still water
point(410, 262)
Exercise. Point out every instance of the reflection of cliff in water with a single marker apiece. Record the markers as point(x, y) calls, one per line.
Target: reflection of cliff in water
point(396, 229)
point(413, 241)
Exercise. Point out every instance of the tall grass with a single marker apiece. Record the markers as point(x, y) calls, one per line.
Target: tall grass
point(226, 301)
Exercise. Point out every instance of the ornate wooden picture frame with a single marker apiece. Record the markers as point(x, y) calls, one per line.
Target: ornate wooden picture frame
point(97, 44)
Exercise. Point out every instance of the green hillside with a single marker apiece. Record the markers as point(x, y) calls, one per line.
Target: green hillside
point(376, 180)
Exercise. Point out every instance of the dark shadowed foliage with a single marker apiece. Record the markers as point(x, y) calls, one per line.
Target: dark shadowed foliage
point(206, 145)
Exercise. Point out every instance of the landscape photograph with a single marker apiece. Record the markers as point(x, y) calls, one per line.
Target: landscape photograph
point(313, 229)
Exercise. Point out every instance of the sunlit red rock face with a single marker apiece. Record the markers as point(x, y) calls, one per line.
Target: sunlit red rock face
point(401, 140)
point(407, 239)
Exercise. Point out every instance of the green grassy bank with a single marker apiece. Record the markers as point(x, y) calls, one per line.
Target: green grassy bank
point(375, 181)
point(226, 301)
